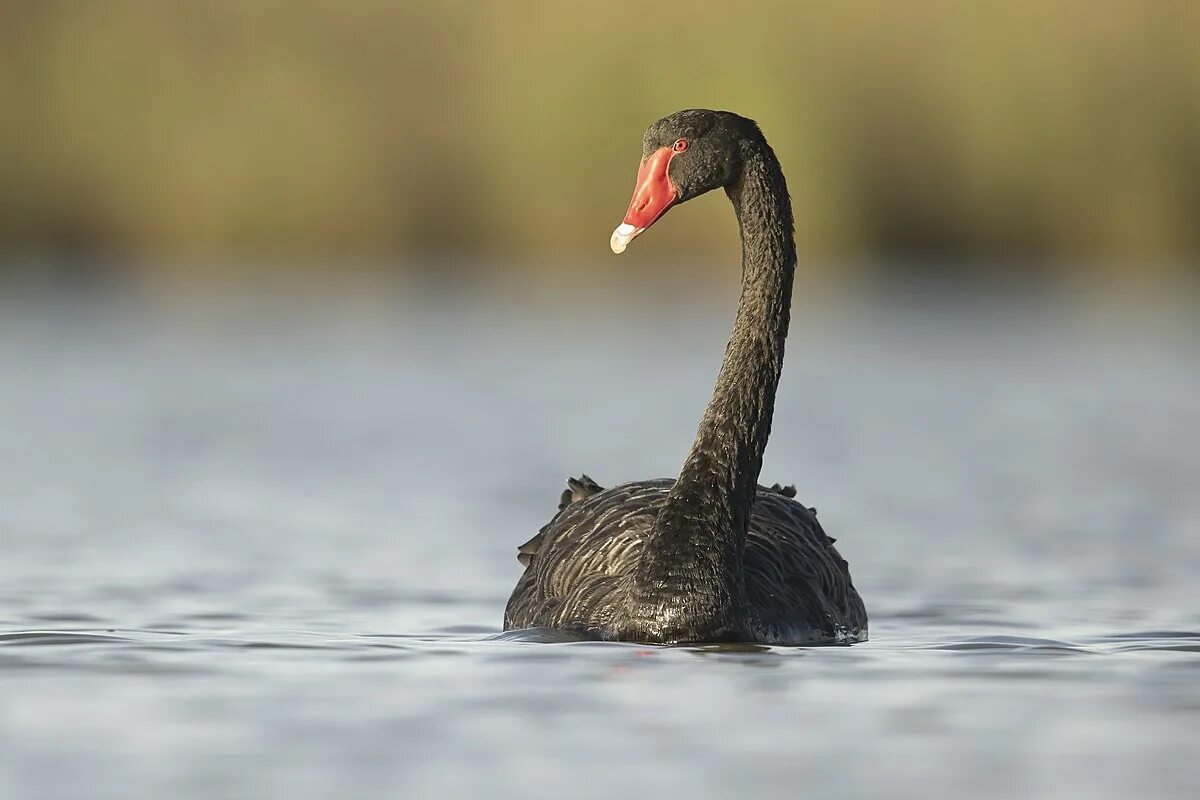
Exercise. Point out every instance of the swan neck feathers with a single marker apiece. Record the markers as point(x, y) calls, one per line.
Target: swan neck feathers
point(697, 539)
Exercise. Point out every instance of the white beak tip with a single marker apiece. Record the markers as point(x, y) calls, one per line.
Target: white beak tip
point(622, 236)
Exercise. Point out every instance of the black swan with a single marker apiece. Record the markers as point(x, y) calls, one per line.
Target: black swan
point(709, 556)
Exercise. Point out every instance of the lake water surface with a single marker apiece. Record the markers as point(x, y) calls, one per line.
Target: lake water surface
point(264, 552)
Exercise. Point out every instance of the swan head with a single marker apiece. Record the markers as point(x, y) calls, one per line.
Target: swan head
point(684, 155)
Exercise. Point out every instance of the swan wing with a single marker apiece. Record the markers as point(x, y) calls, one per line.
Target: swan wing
point(577, 489)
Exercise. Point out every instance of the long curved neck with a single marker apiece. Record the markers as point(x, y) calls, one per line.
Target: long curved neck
point(701, 529)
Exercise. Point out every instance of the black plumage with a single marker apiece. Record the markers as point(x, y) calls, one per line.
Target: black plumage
point(710, 555)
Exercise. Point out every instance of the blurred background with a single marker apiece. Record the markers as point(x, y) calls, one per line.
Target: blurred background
point(953, 137)
point(307, 311)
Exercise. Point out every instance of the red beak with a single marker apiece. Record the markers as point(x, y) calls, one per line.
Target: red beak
point(653, 194)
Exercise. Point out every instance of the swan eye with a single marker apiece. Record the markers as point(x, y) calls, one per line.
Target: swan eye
point(680, 145)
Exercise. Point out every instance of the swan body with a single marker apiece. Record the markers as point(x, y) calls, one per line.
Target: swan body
point(709, 556)
point(797, 586)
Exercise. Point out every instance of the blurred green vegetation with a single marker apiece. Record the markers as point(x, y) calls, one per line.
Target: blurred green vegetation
point(508, 132)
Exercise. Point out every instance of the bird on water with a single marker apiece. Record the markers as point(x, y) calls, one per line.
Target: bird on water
point(709, 556)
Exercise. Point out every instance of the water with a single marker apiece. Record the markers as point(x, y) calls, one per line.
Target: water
point(257, 552)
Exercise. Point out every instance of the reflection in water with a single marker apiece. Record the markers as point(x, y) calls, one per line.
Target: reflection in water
point(268, 556)
point(728, 648)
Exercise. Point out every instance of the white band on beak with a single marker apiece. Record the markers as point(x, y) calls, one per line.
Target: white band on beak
point(622, 236)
